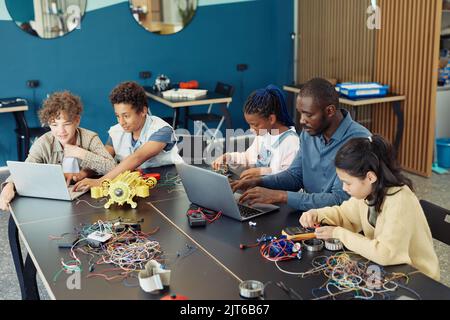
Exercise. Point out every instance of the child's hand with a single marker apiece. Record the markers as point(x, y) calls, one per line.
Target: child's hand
point(309, 219)
point(325, 233)
point(72, 151)
point(75, 177)
point(87, 184)
point(250, 173)
point(220, 161)
point(6, 197)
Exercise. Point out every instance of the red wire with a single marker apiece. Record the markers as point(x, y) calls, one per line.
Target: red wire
point(265, 251)
point(206, 216)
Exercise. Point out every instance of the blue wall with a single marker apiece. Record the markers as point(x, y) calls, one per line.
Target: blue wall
point(21, 11)
point(111, 47)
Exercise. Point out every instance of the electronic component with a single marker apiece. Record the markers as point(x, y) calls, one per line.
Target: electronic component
point(123, 188)
point(298, 233)
point(297, 247)
point(196, 215)
point(278, 249)
point(313, 245)
point(251, 289)
point(154, 277)
point(196, 220)
point(121, 226)
point(333, 245)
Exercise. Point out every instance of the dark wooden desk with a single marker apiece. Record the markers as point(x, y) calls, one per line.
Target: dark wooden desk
point(36, 219)
point(223, 237)
point(210, 98)
point(219, 259)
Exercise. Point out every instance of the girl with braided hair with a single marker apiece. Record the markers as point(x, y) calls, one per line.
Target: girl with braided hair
point(276, 143)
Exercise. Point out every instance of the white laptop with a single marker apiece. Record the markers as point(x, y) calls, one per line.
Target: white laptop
point(211, 190)
point(41, 181)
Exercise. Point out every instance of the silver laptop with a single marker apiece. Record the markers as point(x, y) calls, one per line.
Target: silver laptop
point(211, 190)
point(41, 181)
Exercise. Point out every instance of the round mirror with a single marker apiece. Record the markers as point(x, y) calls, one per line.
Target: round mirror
point(47, 19)
point(163, 16)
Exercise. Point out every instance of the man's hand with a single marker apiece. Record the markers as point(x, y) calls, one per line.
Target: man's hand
point(309, 219)
point(263, 195)
point(72, 151)
point(325, 233)
point(244, 185)
point(6, 196)
point(250, 173)
point(87, 184)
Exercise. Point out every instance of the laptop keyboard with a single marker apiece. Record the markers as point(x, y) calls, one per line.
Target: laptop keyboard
point(247, 211)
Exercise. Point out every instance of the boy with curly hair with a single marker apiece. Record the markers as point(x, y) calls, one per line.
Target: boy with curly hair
point(80, 152)
point(138, 140)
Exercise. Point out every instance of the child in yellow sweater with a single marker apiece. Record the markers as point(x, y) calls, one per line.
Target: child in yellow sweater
point(382, 207)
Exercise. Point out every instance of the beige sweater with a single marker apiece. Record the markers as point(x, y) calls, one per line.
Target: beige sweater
point(401, 234)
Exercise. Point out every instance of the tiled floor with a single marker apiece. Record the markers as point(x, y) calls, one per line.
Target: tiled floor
point(436, 190)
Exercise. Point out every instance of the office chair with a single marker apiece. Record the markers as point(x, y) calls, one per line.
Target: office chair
point(436, 217)
point(204, 118)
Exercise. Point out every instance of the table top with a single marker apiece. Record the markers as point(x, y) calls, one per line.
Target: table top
point(210, 98)
point(222, 261)
point(391, 97)
point(53, 217)
point(13, 109)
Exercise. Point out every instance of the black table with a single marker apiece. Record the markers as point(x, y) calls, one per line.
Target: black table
point(218, 260)
point(38, 218)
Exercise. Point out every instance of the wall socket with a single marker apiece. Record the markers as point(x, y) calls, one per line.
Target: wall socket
point(145, 74)
point(32, 83)
point(242, 67)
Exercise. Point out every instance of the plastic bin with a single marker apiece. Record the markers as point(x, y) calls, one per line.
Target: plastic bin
point(362, 90)
point(443, 152)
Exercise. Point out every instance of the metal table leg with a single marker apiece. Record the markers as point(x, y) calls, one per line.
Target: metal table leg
point(186, 118)
point(176, 116)
point(23, 145)
point(396, 106)
point(13, 235)
point(31, 289)
point(26, 273)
